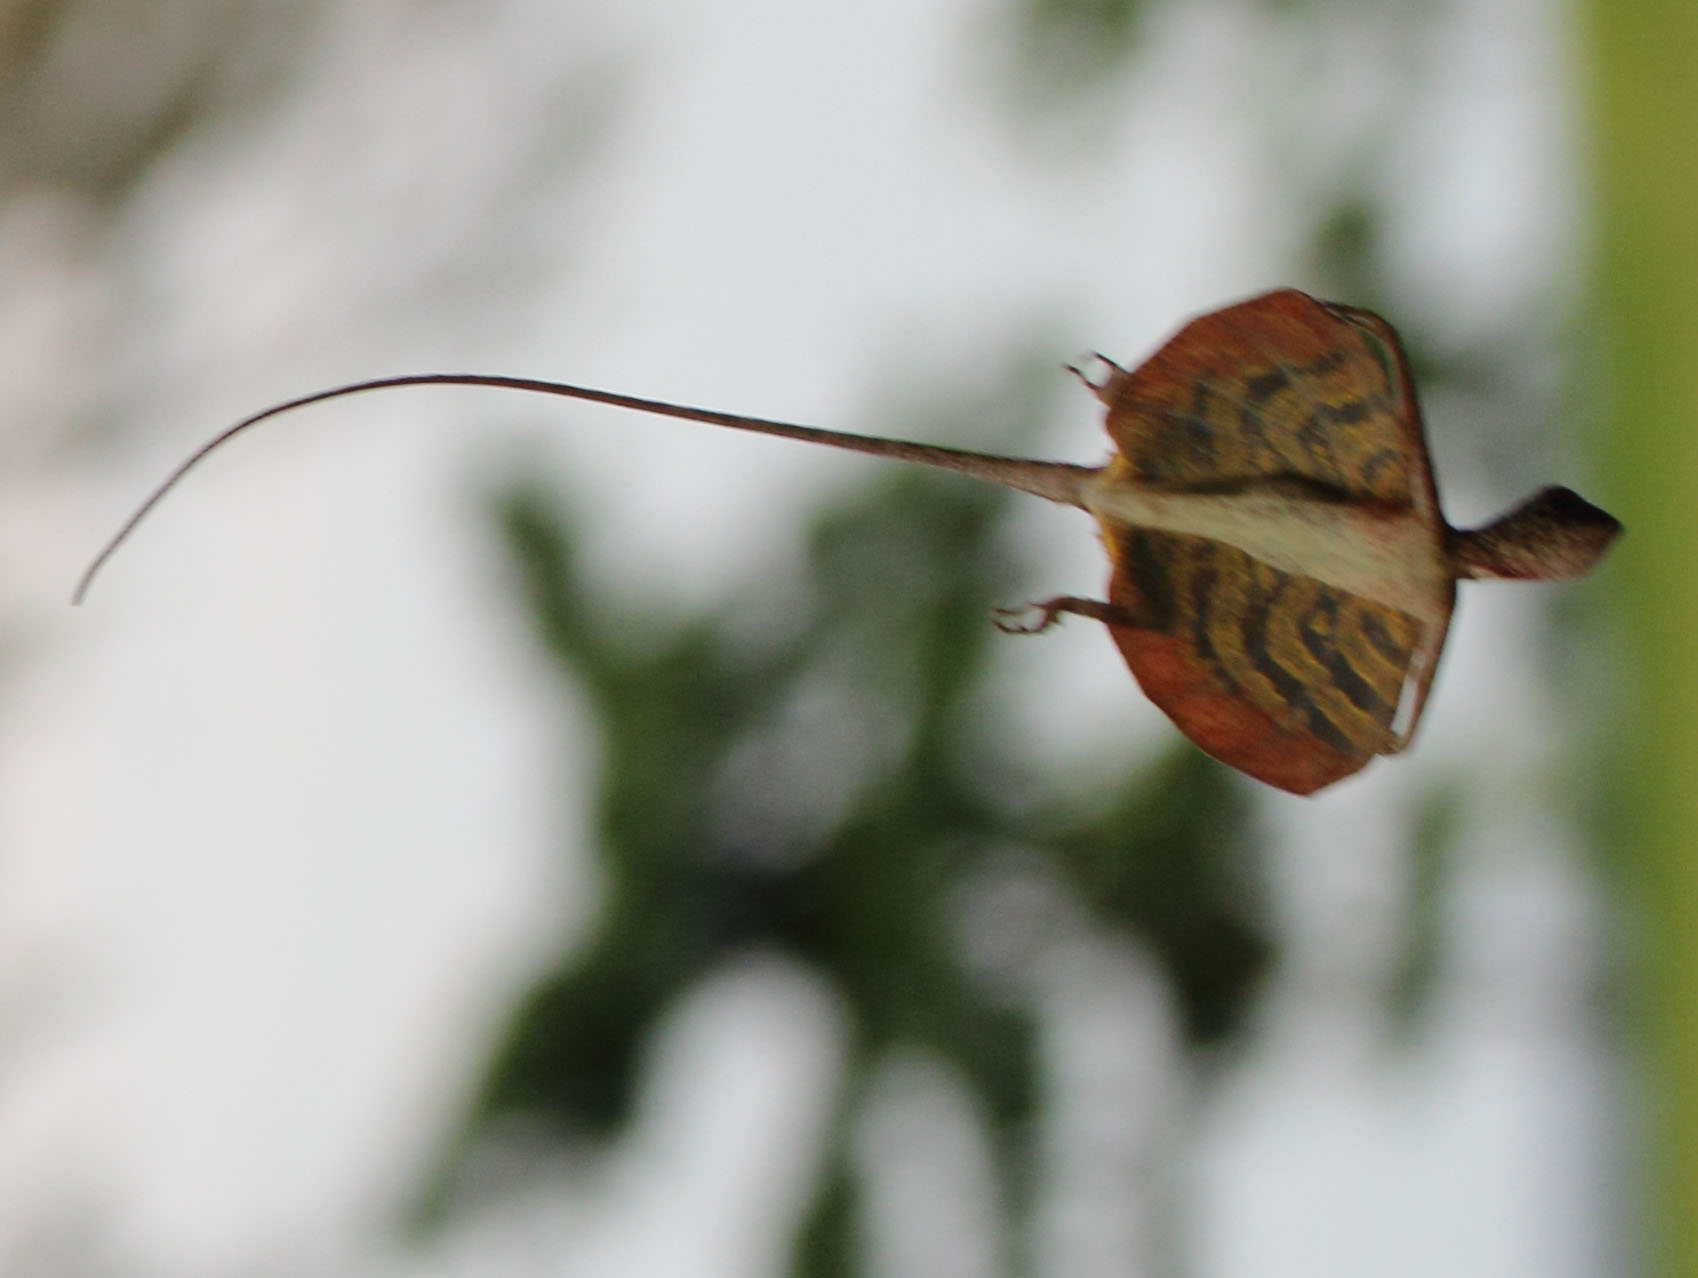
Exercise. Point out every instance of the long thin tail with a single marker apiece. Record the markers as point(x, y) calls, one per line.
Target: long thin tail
point(1056, 481)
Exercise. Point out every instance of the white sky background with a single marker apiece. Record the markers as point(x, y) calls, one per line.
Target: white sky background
point(283, 807)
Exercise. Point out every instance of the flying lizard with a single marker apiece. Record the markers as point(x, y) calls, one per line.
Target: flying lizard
point(1282, 575)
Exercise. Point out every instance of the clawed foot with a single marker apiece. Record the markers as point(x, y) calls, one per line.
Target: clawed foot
point(1101, 375)
point(1009, 620)
point(1050, 611)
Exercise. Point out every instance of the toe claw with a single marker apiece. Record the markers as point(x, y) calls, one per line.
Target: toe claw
point(1008, 620)
point(1103, 378)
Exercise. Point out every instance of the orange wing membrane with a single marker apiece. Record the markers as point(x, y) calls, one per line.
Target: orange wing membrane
point(1297, 668)
point(1277, 387)
point(1287, 679)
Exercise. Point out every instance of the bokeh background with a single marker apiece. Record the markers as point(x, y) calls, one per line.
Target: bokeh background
point(466, 834)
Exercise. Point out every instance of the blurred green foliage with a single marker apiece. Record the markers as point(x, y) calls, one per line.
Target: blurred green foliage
point(1064, 46)
point(1439, 822)
point(1068, 42)
point(94, 93)
point(704, 856)
point(721, 825)
point(1645, 164)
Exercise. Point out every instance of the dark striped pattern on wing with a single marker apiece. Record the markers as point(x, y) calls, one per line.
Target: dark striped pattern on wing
point(1318, 662)
point(1279, 387)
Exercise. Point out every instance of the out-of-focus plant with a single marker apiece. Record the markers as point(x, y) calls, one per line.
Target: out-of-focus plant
point(1645, 160)
point(704, 853)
